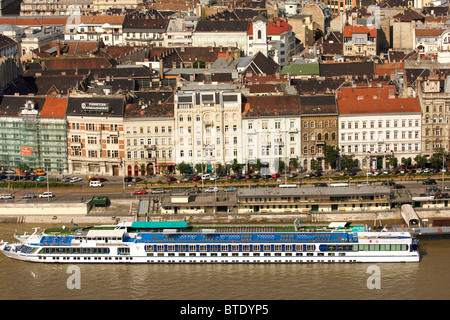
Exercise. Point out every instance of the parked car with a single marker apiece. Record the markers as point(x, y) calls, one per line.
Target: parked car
point(211, 190)
point(66, 179)
point(7, 196)
point(292, 175)
point(230, 189)
point(127, 179)
point(98, 179)
point(399, 186)
point(141, 191)
point(170, 179)
point(388, 183)
point(429, 182)
point(75, 179)
point(46, 195)
point(157, 191)
point(40, 178)
point(95, 184)
point(40, 172)
point(446, 188)
point(187, 179)
point(364, 184)
point(321, 185)
point(194, 190)
point(29, 196)
point(196, 178)
point(276, 175)
point(214, 178)
point(432, 189)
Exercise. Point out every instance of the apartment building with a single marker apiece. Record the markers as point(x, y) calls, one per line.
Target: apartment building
point(149, 128)
point(375, 125)
point(271, 130)
point(105, 28)
point(95, 138)
point(33, 132)
point(208, 125)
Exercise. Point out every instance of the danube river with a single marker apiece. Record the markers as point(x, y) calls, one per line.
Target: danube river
point(427, 279)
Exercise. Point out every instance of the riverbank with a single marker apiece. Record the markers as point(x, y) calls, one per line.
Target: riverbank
point(261, 219)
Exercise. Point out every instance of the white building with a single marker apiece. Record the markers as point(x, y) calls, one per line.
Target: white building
point(271, 130)
point(375, 124)
point(106, 28)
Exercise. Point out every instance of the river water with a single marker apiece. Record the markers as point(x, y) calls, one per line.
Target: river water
point(428, 279)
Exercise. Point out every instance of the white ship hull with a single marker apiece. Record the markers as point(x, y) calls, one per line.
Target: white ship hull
point(118, 246)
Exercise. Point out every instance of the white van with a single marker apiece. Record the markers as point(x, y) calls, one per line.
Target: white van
point(206, 176)
point(95, 184)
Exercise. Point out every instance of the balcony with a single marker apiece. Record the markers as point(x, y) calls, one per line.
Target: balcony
point(320, 142)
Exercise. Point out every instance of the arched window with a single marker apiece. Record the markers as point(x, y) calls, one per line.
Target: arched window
point(259, 35)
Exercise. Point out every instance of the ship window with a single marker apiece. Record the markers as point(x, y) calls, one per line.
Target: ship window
point(278, 247)
point(235, 247)
point(310, 247)
point(246, 247)
point(192, 247)
point(160, 247)
point(288, 247)
point(170, 248)
point(202, 247)
point(123, 251)
point(266, 247)
point(256, 247)
point(224, 248)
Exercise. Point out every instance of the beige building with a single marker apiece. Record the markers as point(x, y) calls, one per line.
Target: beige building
point(149, 128)
point(95, 139)
point(105, 5)
point(435, 103)
point(208, 125)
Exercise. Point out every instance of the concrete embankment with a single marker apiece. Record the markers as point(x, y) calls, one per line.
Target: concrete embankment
point(125, 210)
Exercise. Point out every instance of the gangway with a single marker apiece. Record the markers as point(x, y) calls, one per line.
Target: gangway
point(410, 216)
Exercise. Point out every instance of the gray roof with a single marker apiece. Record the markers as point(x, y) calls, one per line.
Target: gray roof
point(314, 192)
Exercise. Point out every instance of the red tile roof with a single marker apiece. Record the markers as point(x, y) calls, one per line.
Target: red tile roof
point(274, 28)
point(375, 100)
point(54, 108)
point(386, 69)
point(429, 32)
point(349, 30)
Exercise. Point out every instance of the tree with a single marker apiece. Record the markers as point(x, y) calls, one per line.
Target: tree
point(406, 162)
point(183, 168)
point(314, 164)
point(258, 165)
point(420, 160)
point(200, 167)
point(143, 169)
point(237, 167)
point(281, 164)
point(393, 161)
point(22, 166)
point(295, 163)
point(331, 154)
point(348, 162)
point(437, 158)
point(220, 170)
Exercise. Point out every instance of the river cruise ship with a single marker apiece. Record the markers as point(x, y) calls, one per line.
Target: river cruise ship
point(175, 242)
